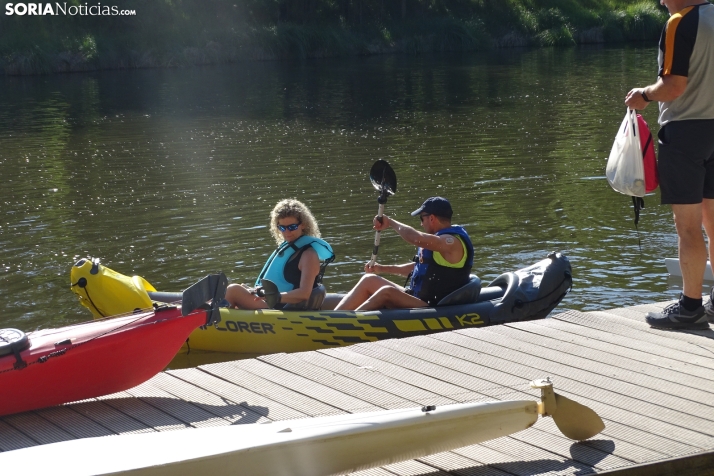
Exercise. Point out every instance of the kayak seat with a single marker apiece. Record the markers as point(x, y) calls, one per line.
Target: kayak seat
point(313, 303)
point(466, 294)
point(331, 301)
point(490, 293)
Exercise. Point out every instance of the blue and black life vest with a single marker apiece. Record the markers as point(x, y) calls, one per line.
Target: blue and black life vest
point(430, 281)
point(282, 266)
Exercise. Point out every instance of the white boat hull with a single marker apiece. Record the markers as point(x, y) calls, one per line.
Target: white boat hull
point(674, 269)
point(310, 447)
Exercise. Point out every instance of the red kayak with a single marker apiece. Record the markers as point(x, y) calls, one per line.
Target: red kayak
point(54, 366)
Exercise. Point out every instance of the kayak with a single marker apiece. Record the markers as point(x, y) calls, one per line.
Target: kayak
point(312, 446)
point(54, 366)
point(526, 294)
point(674, 269)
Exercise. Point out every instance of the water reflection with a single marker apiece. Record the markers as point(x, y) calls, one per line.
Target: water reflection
point(171, 174)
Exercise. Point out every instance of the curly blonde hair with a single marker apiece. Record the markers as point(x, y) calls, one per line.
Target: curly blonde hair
point(291, 207)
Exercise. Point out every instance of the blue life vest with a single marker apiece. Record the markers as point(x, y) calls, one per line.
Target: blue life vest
point(277, 265)
point(431, 282)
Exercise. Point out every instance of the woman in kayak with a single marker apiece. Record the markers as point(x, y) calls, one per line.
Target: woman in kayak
point(295, 266)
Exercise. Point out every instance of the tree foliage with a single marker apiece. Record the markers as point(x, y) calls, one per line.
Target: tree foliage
point(178, 32)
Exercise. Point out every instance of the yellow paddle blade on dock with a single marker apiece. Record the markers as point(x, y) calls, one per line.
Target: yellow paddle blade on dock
point(574, 420)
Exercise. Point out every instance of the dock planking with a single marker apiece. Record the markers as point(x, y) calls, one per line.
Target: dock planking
point(652, 388)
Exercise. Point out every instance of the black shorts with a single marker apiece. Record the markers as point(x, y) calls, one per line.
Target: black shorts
point(686, 161)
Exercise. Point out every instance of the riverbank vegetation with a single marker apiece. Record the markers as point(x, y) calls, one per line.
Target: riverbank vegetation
point(174, 33)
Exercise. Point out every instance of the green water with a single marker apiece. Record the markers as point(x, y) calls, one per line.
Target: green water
point(171, 174)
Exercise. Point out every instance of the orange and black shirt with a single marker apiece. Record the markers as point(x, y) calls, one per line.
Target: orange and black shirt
point(686, 48)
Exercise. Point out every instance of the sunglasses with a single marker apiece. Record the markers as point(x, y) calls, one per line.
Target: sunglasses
point(292, 227)
point(421, 217)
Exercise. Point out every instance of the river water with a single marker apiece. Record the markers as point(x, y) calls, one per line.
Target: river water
point(171, 174)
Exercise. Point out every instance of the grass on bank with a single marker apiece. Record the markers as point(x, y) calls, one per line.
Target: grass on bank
point(170, 33)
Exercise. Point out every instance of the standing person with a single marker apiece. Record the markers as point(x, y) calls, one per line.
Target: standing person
point(295, 265)
point(442, 265)
point(685, 92)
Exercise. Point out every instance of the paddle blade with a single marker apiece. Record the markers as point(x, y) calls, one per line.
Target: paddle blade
point(576, 421)
point(383, 177)
point(211, 288)
point(270, 292)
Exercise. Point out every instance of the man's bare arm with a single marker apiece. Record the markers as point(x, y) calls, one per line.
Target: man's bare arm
point(444, 244)
point(667, 88)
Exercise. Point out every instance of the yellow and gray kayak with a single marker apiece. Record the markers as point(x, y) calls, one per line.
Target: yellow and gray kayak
point(526, 294)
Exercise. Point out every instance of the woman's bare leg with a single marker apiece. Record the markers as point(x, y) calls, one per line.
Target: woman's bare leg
point(239, 296)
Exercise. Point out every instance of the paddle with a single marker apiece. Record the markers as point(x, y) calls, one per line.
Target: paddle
point(211, 288)
point(269, 290)
point(574, 420)
point(384, 180)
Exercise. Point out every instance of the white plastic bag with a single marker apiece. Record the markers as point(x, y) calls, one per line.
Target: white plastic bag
point(625, 170)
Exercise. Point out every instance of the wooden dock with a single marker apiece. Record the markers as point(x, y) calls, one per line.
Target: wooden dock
point(654, 389)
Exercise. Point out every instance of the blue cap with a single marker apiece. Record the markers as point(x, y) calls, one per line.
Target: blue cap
point(438, 206)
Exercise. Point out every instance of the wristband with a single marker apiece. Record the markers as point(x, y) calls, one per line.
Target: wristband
point(644, 96)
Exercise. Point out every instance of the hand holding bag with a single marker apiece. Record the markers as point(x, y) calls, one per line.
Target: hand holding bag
point(625, 171)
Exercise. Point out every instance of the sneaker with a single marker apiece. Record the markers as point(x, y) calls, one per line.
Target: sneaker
point(709, 306)
point(675, 316)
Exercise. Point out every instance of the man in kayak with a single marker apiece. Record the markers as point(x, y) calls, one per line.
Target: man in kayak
point(442, 264)
point(686, 148)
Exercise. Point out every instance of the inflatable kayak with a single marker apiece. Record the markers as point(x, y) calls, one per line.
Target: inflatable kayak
point(311, 447)
point(53, 366)
point(529, 293)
